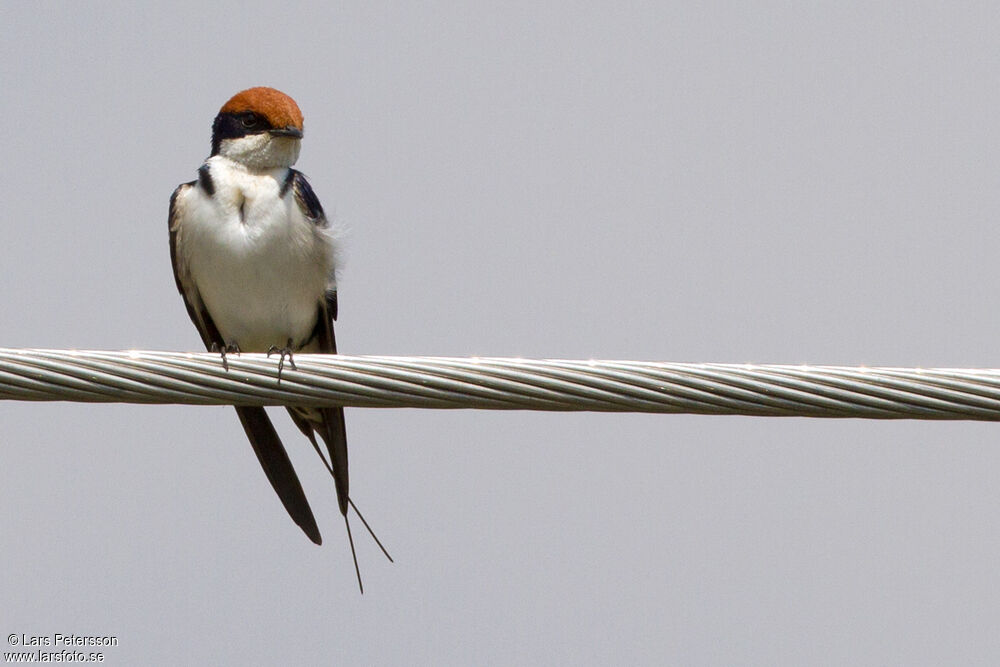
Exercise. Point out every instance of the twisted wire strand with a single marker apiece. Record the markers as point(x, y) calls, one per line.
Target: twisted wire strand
point(500, 384)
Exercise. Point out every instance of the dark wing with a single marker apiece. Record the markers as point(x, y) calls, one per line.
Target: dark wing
point(192, 299)
point(305, 197)
point(259, 429)
point(331, 306)
point(174, 227)
point(328, 422)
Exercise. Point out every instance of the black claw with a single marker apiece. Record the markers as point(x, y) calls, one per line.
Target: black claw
point(230, 348)
point(286, 353)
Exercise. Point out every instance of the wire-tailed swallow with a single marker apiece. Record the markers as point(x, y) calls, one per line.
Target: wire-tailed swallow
point(255, 260)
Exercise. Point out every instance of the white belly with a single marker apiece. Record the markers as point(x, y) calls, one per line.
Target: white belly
point(260, 266)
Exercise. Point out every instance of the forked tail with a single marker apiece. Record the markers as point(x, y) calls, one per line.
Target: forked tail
point(350, 537)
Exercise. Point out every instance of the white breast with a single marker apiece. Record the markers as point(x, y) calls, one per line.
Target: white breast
point(260, 266)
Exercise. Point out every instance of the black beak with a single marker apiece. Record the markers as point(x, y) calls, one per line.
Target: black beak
point(287, 131)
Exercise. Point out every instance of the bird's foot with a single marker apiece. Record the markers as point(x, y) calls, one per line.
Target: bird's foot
point(285, 352)
point(230, 348)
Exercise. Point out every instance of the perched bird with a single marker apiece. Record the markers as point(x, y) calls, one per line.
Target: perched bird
point(255, 260)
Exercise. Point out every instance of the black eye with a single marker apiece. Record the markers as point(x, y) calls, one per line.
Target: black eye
point(249, 120)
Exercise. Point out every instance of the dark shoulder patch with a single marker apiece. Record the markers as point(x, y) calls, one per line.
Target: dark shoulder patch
point(306, 198)
point(289, 180)
point(205, 180)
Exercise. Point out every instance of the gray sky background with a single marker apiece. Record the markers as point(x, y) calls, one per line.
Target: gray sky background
point(773, 183)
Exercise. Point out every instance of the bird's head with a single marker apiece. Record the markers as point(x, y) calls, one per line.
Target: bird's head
point(260, 128)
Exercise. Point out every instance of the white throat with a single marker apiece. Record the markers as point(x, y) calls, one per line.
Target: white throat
point(262, 151)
